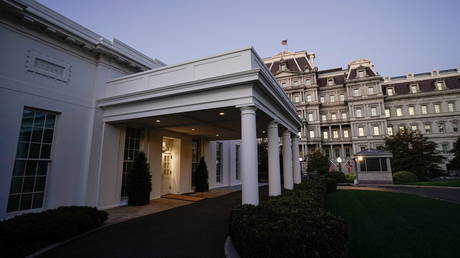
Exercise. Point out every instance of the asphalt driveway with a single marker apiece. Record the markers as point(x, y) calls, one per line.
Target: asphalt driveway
point(196, 230)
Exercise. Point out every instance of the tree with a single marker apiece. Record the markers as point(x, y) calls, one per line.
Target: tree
point(317, 162)
point(413, 152)
point(201, 177)
point(455, 162)
point(139, 181)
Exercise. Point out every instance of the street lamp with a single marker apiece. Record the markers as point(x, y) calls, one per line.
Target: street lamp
point(339, 160)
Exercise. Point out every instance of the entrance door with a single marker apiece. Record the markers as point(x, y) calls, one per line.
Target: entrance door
point(167, 173)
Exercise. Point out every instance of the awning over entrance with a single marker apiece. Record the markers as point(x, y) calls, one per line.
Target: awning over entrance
point(227, 96)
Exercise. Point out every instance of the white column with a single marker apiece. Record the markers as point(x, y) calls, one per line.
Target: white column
point(274, 177)
point(295, 160)
point(287, 160)
point(250, 185)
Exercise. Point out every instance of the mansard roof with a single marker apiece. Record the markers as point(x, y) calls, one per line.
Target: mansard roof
point(369, 72)
point(338, 79)
point(426, 85)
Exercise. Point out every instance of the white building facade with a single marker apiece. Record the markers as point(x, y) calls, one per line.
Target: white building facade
point(76, 108)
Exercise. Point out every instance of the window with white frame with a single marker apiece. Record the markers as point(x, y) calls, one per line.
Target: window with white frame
point(413, 127)
point(296, 98)
point(308, 98)
point(321, 99)
point(32, 160)
point(332, 98)
point(333, 117)
point(451, 106)
point(398, 111)
point(390, 130)
point(424, 109)
point(390, 91)
point(413, 88)
point(283, 67)
point(325, 135)
point(335, 134)
point(131, 148)
point(455, 126)
point(387, 112)
point(359, 112)
point(441, 128)
point(360, 131)
point(361, 73)
point(310, 117)
point(376, 130)
point(437, 108)
point(344, 115)
point(323, 117)
point(312, 134)
point(346, 133)
point(427, 129)
point(356, 92)
point(370, 90)
point(373, 111)
point(445, 147)
point(342, 97)
point(439, 85)
point(411, 110)
point(330, 81)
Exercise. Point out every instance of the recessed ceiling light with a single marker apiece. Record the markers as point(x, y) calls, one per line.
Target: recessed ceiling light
point(217, 134)
point(193, 129)
point(221, 113)
point(263, 132)
point(158, 120)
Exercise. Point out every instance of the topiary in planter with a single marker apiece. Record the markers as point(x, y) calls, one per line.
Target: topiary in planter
point(338, 176)
point(201, 177)
point(139, 181)
point(404, 177)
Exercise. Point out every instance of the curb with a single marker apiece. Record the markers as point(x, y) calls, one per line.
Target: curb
point(415, 186)
point(229, 249)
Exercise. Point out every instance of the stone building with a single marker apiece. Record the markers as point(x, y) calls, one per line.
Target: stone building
point(348, 110)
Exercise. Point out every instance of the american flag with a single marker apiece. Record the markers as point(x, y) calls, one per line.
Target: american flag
point(349, 166)
point(332, 166)
point(284, 42)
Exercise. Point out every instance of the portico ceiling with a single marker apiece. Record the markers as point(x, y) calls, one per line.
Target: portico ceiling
point(212, 124)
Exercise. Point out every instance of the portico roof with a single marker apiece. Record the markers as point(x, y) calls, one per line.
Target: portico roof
point(192, 92)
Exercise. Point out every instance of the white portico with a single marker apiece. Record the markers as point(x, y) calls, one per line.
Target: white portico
point(230, 96)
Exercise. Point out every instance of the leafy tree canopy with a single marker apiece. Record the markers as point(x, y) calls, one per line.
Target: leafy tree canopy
point(455, 162)
point(317, 162)
point(413, 152)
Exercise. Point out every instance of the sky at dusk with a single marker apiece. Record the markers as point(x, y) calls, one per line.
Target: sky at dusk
point(398, 36)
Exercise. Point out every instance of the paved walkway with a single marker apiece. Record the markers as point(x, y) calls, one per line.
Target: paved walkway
point(446, 194)
point(195, 230)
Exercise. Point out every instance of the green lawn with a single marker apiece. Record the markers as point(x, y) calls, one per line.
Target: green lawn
point(384, 224)
point(439, 183)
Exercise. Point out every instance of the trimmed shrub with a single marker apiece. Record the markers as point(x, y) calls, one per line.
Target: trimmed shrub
point(350, 178)
point(24, 234)
point(404, 177)
point(331, 184)
point(292, 225)
point(201, 177)
point(139, 181)
point(338, 176)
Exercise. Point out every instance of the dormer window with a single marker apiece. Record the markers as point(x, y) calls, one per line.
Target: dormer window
point(390, 91)
point(361, 73)
point(330, 81)
point(413, 88)
point(439, 85)
point(283, 67)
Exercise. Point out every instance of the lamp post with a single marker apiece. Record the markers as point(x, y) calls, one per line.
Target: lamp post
point(360, 158)
point(339, 160)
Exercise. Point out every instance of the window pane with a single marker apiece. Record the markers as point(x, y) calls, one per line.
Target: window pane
point(48, 135)
point(31, 167)
point(23, 148)
point(37, 200)
point(40, 184)
point(46, 151)
point(28, 185)
point(39, 119)
point(373, 164)
point(34, 151)
point(42, 167)
point(50, 118)
point(13, 203)
point(25, 134)
point(19, 167)
point(26, 201)
point(16, 185)
point(37, 134)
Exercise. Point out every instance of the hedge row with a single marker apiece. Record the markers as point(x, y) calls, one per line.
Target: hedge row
point(292, 225)
point(27, 233)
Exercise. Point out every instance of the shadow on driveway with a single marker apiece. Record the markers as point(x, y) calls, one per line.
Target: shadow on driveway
point(195, 230)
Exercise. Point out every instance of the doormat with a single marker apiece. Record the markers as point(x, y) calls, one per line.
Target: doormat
point(183, 197)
